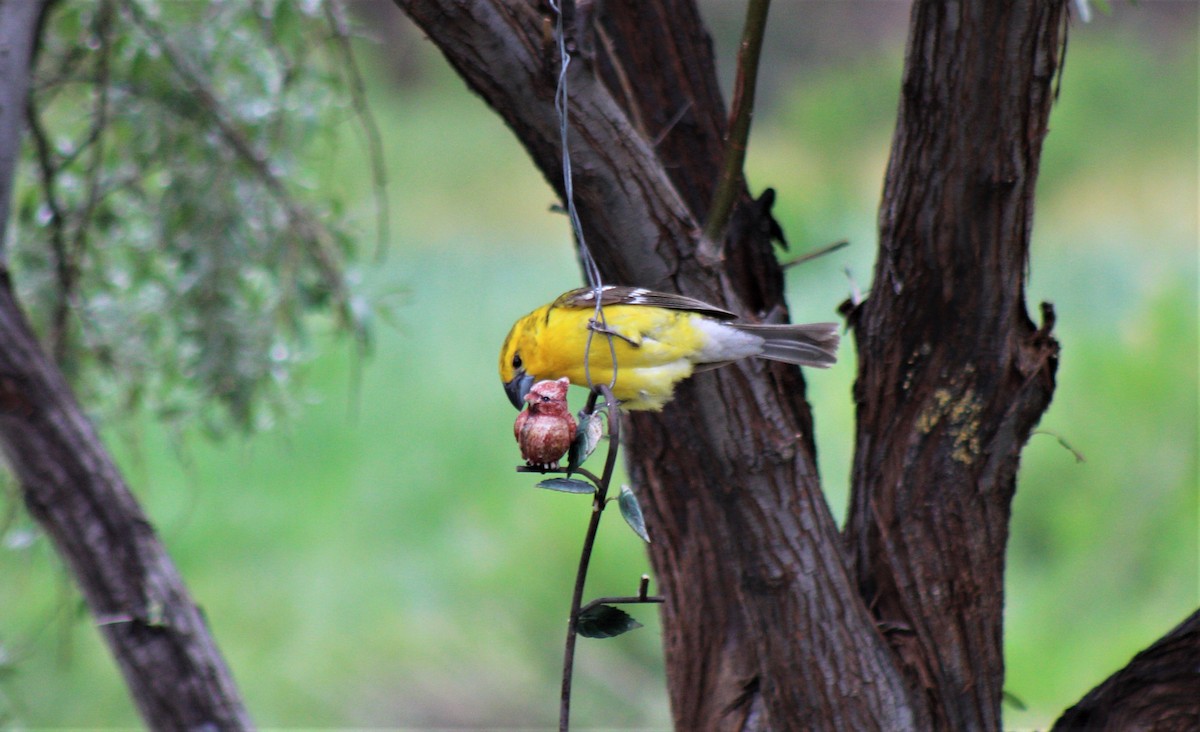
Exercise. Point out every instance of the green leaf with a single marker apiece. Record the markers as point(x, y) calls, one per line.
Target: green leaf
point(567, 485)
point(631, 511)
point(605, 621)
point(591, 428)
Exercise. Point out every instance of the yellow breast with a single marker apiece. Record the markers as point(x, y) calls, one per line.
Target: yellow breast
point(654, 349)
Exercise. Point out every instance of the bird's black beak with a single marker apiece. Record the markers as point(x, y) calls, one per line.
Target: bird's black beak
point(518, 388)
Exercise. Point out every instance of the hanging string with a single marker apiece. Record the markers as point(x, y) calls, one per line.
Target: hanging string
point(590, 269)
point(561, 98)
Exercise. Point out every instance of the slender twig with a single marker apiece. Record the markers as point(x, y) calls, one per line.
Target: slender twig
point(286, 69)
point(356, 84)
point(728, 186)
point(815, 253)
point(322, 249)
point(670, 125)
point(49, 167)
point(631, 101)
point(95, 183)
point(576, 471)
point(643, 596)
point(1079, 457)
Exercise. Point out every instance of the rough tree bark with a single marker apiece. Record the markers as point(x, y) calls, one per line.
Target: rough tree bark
point(73, 490)
point(953, 376)
point(772, 619)
point(1158, 691)
point(743, 539)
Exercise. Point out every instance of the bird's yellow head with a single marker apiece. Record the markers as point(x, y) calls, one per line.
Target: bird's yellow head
point(517, 382)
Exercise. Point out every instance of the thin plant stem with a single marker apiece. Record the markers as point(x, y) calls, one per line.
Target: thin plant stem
point(599, 501)
point(728, 186)
point(545, 471)
point(356, 84)
point(585, 555)
point(815, 253)
point(643, 596)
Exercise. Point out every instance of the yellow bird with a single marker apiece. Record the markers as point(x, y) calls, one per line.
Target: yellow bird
point(658, 338)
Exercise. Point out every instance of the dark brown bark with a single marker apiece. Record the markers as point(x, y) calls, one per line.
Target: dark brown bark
point(73, 490)
point(772, 620)
point(743, 540)
point(1158, 691)
point(953, 376)
point(676, 102)
point(172, 666)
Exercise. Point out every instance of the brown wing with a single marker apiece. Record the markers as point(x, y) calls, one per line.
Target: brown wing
point(585, 297)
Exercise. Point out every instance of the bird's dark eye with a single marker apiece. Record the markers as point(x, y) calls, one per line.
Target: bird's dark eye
point(516, 360)
point(545, 398)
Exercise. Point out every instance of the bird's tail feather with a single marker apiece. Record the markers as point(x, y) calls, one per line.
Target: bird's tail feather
point(812, 344)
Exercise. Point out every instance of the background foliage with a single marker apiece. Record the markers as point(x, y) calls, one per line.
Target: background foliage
point(374, 561)
point(169, 237)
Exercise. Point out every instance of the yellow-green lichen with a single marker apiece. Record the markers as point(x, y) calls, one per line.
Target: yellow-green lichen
point(962, 416)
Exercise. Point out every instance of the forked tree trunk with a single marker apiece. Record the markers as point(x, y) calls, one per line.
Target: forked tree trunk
point(760, 607)
point(772, 619)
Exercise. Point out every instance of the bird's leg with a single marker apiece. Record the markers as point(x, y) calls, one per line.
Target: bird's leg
point(606, 331)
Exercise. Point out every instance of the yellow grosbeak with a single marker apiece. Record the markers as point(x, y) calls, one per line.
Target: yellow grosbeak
point(659, 339)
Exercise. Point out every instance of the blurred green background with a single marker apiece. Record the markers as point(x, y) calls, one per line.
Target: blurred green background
point(376, 562)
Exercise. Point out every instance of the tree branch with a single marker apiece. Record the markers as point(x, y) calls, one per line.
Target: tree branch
point(743, 537)
point(18, 36)
point(1158, 690)
point(356, 84)
point(73, 490)
point(953, 375)
point(732, 184)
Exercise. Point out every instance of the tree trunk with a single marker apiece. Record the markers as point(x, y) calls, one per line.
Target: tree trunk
point(73, 490)
point(772, 619)
point(759, 607)
point(953, 376)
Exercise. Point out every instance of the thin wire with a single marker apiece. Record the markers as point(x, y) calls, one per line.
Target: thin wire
point(561, 97)
point(590, 268)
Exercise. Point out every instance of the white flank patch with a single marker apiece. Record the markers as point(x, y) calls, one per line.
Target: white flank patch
point(725, 343)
